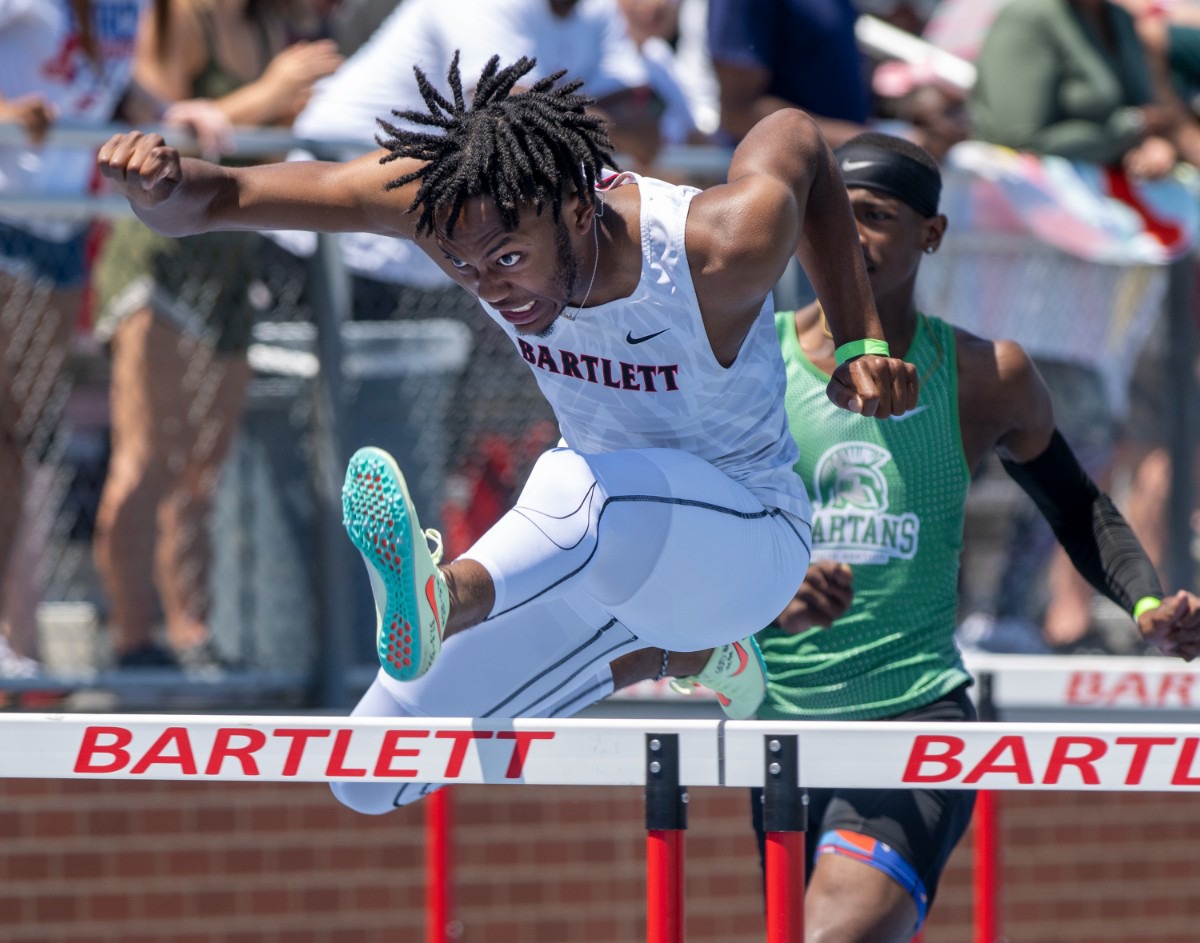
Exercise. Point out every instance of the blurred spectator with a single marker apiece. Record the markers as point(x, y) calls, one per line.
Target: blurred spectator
point(769, 54)
point(1071, 78)
point(178, 315)
point(1170, 35)
point(587, 36)
point(773, 54)
point(672, 37)
point(64, 60)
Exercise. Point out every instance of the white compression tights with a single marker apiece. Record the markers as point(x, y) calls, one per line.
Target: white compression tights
point(602, 555)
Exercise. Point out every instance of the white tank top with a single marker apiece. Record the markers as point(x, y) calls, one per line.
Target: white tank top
point(640, 372)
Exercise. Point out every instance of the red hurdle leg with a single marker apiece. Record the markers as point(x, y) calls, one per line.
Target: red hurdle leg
point(439, 881)
point(666, 820)
point(785, 818)
point(987, 836)
point(785, 887)
point(664, 886)
point(987, 867)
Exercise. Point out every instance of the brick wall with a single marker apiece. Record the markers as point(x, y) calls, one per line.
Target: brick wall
point(100, 862)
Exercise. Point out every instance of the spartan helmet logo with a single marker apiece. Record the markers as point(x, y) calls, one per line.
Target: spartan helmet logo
point(850, 476)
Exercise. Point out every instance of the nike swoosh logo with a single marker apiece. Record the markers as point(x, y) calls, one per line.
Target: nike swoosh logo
point(641, 340)
point(431, 595)
point(858, 164)
point(909, 414)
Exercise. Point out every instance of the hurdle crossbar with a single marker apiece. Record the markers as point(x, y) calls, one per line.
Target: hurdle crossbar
point(1001, 756)
point(1089, 682)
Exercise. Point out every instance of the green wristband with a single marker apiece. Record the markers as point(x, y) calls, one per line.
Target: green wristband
point(854, 349)
point(1145, 604)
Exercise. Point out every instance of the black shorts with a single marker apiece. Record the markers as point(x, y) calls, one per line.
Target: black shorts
point(922, 825)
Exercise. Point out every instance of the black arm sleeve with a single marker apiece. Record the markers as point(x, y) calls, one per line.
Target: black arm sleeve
point(1096, 537)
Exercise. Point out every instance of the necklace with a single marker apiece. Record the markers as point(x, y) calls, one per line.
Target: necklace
point(567, 312)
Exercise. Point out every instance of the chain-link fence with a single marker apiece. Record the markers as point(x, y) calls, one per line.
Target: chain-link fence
point(172, 449)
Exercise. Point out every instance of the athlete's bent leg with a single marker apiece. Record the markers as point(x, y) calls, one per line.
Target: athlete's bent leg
point(683, 555)
point(551, 660)
point(601, 556)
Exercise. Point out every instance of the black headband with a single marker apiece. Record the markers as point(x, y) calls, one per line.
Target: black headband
point(872, 167)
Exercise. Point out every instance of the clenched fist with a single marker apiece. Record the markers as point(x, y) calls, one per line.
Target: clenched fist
point(872, 385)
point(142, 167)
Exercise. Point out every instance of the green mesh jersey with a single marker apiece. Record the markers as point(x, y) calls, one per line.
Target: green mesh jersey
point(888, 499)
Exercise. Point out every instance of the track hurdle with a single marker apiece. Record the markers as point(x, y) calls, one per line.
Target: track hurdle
point(1041, 689)
point(662, 757)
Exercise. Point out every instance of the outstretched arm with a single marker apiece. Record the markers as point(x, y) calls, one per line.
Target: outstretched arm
point(1095, 535)
point(786, 196)
point(1105, 550)
point(182, 196)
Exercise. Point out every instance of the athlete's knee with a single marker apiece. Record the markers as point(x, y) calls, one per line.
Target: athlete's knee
point(854, 928)
point(558, 481)
point(848, 918)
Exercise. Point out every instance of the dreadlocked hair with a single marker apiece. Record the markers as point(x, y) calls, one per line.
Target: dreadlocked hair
point(519, 148)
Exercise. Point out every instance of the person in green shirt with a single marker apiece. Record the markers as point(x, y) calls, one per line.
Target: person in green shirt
point(869, 634)
point(1071, 78)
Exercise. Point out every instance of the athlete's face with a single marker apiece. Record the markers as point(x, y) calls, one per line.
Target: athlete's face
point(529, 274)
point(893, 237)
